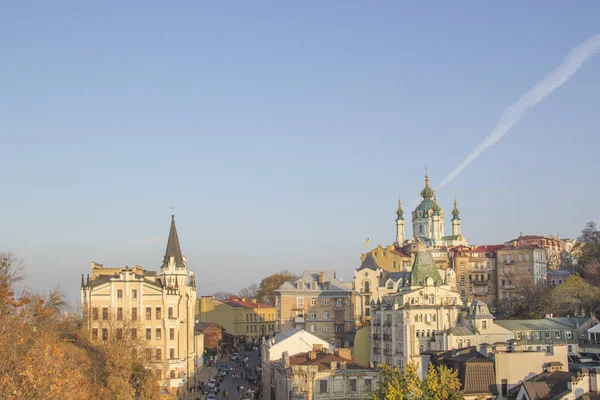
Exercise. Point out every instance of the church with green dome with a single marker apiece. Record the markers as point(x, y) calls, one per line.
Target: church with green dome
point(428, 223)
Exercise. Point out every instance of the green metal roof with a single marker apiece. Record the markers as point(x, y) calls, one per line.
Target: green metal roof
point(531, 324)
point(423, 268)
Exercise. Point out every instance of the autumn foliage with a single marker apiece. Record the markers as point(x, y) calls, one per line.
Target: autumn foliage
point(43, 354)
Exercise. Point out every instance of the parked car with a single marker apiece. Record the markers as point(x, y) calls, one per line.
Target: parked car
point(205, 389)
point(212, 383)
point(223, 367)
point(235, 356)
point(211, 397)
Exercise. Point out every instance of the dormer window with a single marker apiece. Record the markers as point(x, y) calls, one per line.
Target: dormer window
point(299, 285)
point(390, 285)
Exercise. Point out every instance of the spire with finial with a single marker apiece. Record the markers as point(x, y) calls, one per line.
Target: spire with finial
point(173, 248)
point(399, 211)
point(427, 192)
point(455, 211)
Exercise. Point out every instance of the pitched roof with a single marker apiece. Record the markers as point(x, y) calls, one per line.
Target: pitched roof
point(477, 375)
point(369, 263)
point(244, 303)
point(324, 360)
point(200, 326)
point(173, 248)
point(531, 324)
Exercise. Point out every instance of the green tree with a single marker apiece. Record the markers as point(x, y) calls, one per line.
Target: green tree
point(576, 295)
point(532, 301)
point(587, 253)
point(439, 384)
point(268, 286)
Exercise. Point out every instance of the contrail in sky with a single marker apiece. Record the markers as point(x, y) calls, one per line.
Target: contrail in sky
point(539, 92)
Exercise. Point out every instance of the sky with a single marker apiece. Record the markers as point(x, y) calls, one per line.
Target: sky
point(282, 133)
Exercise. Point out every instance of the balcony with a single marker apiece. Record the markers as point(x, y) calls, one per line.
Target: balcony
point(387, 352)
point(377, 351)
point(339, 320)
point(399, 352)
point(480, 283)
point(508, 262)
point(508, 287)
point(339, 307)
point(387, 337)
point(387, 323)
point(299, 319)
point(377, 322)
point(341, 335)
point(298, 308)
point(376, 336)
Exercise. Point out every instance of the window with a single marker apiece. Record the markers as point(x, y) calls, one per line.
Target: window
point(104, 334)
point(134, 333)
point(158, 354)
point(104, 313)
point(158, 313)
point(134, 313)
point(368, 385)
point(570, 348)
point(157, 333)
point(172, 353)
point(557, 334)
point(547, 335)
point(353, 384)
point(323, 386)
point(172, 334)
point(94, 333)
point(119, 333)
point(148, 334)
point(518, 335)
point(171, 312)
point(95, 313)
point(538, 335)
point(468, 342)
point(339, 303)
point(313, 315)
point(520, 257)
point(527, 257)
point(569, 334)
point(326, 315)
point(326, 328)
point(421, 348)
point(483, 324)
point(460, 343)
point(148, 313)
point(338, 385)
point(119, 294)
point(313, 301)
point(300, 302)
point(134, 294)
point(529, 335)
point(326, 302)
point(120, 313)
point(313, 328)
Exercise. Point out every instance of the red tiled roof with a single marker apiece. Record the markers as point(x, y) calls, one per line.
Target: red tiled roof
point(323, 361)
point(244, 303)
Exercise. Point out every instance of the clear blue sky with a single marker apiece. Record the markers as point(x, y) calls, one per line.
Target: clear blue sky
point(281, 132)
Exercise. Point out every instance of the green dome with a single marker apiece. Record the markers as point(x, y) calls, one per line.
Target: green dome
point(427, 192)
point(425, 206)
point(400, 212)
point(436, 208)
point(455, 212)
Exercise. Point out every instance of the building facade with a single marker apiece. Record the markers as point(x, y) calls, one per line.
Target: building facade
point(156, 307)
point(319, 303)
point(476, 273)
point(245, 319)
point(319, 374)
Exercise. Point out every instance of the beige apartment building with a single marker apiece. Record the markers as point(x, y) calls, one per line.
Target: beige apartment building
point(245, 319)
point(476, 273)
point(145, 305)
point(319, 303)
point(519, 262)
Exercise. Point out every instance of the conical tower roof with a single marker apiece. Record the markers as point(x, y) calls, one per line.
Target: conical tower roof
point(173, 248)
point(423, 268)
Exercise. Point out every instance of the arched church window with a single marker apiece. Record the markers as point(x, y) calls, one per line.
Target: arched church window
point(468, 342)
point(420, 317)
point(433, 317)
point(416, 318)
point(421, 348)
point(420, 228)
point(428, 332)
point(460, 343)
point(367, 287)
point(417, 333)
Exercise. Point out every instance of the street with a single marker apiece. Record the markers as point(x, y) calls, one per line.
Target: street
point(229, 383)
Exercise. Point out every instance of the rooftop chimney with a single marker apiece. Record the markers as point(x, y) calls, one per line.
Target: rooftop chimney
point(333, 365)
point(312, 355)
point(317, 347)
point(320, 278)
point(343, 353)
point(343, 365)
